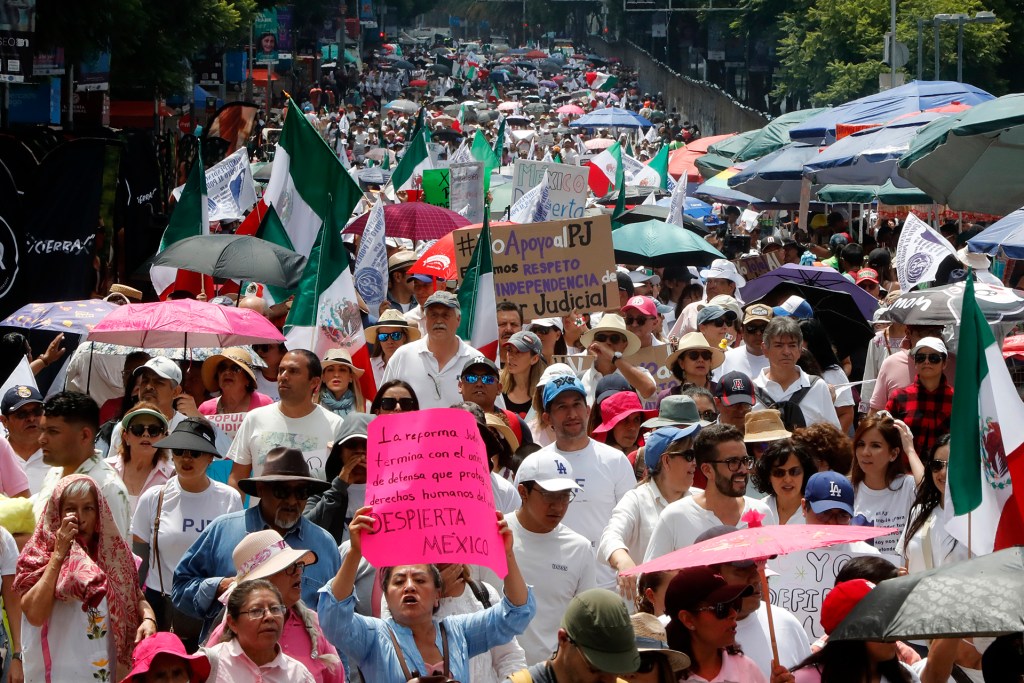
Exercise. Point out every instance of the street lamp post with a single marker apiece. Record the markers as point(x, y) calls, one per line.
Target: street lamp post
point(920, 48)
point(938, 20)
point(961, 19)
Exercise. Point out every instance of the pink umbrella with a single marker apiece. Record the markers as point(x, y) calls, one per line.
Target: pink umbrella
point(595, 144)
point(508, 106)
point(184, 323)
point(415, 221)
point(570, 109)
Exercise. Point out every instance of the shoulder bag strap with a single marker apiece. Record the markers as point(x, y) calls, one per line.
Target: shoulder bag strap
point(444, 650)
point(156, 536)
point(480, 591)
point(398, 651)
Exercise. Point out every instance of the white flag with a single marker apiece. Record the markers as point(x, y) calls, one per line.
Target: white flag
point(229, 187)
point(22, 374)
point(919, 252)
point(677, 204)
point(534, 206)
point(649, 201)
point(371, 272)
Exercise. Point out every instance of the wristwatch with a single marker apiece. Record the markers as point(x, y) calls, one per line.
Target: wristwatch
point(18, 656)
point(616, 356)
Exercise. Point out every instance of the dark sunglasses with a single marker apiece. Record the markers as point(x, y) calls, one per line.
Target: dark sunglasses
point(754, 329)
point(718, 322)
point(185, 453)
point(780, 472)
point(933, 358)
point(937, 465)
point(485, 379)
point(228, 366)
point(694, 355)
point(540, 329)
point(389, 403)
point(641, 320)
point(609, 338)
point(283, 492)
point(148, 430)
point(687, 455)
point(722, 609)
point(398, 335)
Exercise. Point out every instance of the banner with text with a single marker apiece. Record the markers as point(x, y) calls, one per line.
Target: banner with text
point(230, 189)
point(919, 252)
point(752, 267)
point(467, 190)
point(651, 358)
point(428, 482)
point(227, 422)
point(567, 186)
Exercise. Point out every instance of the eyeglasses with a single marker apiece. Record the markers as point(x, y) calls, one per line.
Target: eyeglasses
point(556, 497)
point(294, 568)
point(937, 465)
point(636, 322)
point(754, 329)
point(933, 358)
point(228, 366)
point(148, 430)
point(687, 455)
point(389, 403)
point(609, 338)
point(702, 355)
point(262, 348)
point(734, 464)
point(780, 472)
point(835, 516)
point(708, 415)
point(27, 412)
point(256, 613)
point(485, 379)
point(722, 609)
point(398, 335)
point(282, 492)
point(540, 329)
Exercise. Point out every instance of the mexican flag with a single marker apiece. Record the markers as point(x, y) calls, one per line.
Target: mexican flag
point(494, 93)
point(605, 169)
point(191, 217)
point(499, 141)
point(409, 172)
point(603, 81)
point(987, 448)
point(460, 119)
point(481, 151)
point(659, 164)
point(479, 324)
point(307, 181)
point(325, 314)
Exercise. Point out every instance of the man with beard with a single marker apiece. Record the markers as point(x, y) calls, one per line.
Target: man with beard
point(432, 365)
point(346, 472)
point(603, 473)
point(722, 458)
point(207, 568)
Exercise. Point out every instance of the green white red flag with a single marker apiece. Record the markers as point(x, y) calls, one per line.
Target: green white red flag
point(479, 324)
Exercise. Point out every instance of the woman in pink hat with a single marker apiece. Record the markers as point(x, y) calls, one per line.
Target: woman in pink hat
point(621, 417)
point(162, 658)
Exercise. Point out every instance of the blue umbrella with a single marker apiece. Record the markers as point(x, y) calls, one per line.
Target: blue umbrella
point(1007, 234)
point(776, 177)
point(913, 97)
point(500, 77)
point(691, 207)
point(76, 317)
point(610, 117)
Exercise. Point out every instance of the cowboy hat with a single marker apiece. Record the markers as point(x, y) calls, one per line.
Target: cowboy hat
point(612, 322)
point(283, 465)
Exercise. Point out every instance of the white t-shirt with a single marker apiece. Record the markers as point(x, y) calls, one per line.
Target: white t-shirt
point(183, 517)
point(753, 636)
point(739, 359)
point(558, 566)
point(35, 469)
point(266, 428)
point(265, 386)
point(835, 377)
point(889, 508)
point(506, 498)
point(604, 475)
point(8, 553)
point(684, 520)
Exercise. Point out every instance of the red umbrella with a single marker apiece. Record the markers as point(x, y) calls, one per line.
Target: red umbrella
point(415, 221)
point(1013, 347)
point(535, 54)
point(439, 259)
point(418, 83)
point(682, 160)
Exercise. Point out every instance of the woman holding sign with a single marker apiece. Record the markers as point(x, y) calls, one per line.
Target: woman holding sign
point(412, 639)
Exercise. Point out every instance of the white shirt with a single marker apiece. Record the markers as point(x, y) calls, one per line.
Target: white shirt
point(684, 520)
point(8, 553)
point(816, 405)
point(35, 469)
point(435, 387)
point(506, 497)
point(753, 636)
point(267, 387)
point(739, 359)
point(234, 666)
point(106, 369)
point(944, 548)
point(773, 505)
point(604, 476)
point(889, 507)
point(633, 521)
point(835, 377)
point(266, 428)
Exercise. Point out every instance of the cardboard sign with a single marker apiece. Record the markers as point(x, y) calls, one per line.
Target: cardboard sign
point(467, 190)
point(753, 267)
point(465, 242)
point(437, 187)
point(429, 484)
point(568, 186)
point(551, 269)
point(228, 423)
point(651, 358)
point(804, 579)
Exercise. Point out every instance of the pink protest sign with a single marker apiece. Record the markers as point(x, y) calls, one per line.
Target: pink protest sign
point(429, 485)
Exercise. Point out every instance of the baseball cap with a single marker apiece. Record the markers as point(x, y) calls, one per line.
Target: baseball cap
point(480, 360)
point(422, 278)
point(735, 387)
point(625, 282)
point(641, 276)
point(165, 367)
point(555, 370)
point(722, 530)
point(829, 491)
point(443, 298)
point(18, 396)
point(841, 600)
point(760, 312)
point(644, 304)
point(547, 469)
point(709, 313)
point(598, 623)
point(354, 426)
point(933, 343)
point(866, 275)
point(559, 385)
point(524, 340)
point(658, 441)
point(544, 322)
point(794, 307)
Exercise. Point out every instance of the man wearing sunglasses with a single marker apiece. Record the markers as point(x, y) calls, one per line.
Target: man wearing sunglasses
point(722, 458)
point(926, 406)
point(749, 357)
point(641, 316)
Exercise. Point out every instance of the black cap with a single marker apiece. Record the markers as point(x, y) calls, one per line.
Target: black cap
point(18, 396)
point(735, 387)
point(625, 283)
point(192, 434)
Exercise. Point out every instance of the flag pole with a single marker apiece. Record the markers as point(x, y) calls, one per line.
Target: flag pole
point(328, 225)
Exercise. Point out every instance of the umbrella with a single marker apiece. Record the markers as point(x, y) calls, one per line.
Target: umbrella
point(399, 63)
point(535, 108)
point(570, 110)
point(815, 276)
point(235, 256)
point(444, 101)
point(261, 171)
point(609, 117)
point(440, 69)
point(446, 134)
point(518, 121)
point(646, 212)
point(184, 323)
point(536, 54)
point(886, 193)
point(439, 258)
point(717, 188)
point(403, 106)
point(377, 154)
point(550, 67)
point(983, 596)
point(777, 176)
point(1006, 234)
point(681, 160)
point(413, 220)
point(709, 165)
point(179, 353)
point(770, 138)
point(417, 83)
point(564, 97)
point(595, 144)
point(501, 77)
point(508, 106)
point(942, 305)
point(657, 244)
point(964, 160)
point(60, 316)
point(374, 176)
point(913, 97)
point(691, 207)
point(548, 84)
point(596, 60)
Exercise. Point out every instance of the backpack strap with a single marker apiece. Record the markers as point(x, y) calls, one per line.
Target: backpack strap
point(480, 591)
point(444, 650)
point(801, 393)
point(763, 397)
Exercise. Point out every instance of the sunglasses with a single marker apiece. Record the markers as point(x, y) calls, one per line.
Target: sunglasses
point(294, 568)
point(780, 472)
point(393, 336)
point(540, 329)
point(695, 355)
point(228, 366)
point(485, 379)
point(754, 329)
point(609, 338)
point(722, 609)
point(191, 455)
point(937, 465)
point(933, 358)
point(148, 430)
point(687, 455)
point(734, 464)
point(389, 403)
point(282, 492)
point(635, 322)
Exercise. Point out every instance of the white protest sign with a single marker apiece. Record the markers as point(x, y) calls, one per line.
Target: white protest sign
point(919, 252)
point(230, 190)
point(568, 186)
point(227, 422)
point(467, 189)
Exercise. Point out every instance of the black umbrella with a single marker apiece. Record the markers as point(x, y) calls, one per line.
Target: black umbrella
point(440, 69)
point(402, 64)
point(235, 256)
point(983, 596)
point(836, 310)
point(597, 60)
point(444, 101)
point(564, 97)
point(942, 305)
point(550, 67)
point(446, 134)
point(642, 213)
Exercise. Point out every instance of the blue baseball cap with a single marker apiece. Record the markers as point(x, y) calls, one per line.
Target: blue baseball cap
point(829, 491)
point(794, 307)
point(557, 385)
point(658, 441)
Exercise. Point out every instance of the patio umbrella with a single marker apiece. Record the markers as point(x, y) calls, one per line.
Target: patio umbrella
point(610, 117)
point(770, 138)
point(60, 316)
point(942, 305)
point(681, 161)
point(237, 257)
point(814, 276)
point(983, 596)
point(184, 323)
point(413, 220)
point(964, 161)
point(885, 193)
point(776, 176)
point(1006, 234)
point(658, 244)
point(403, 106)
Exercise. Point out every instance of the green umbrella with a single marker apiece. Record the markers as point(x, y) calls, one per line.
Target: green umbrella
point(731, 146)
point(865, 194)
point(971, 161)
point(657, 243)
point(712, 164)
point(774, 135)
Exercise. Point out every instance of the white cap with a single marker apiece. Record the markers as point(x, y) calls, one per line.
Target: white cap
point(545, 322)
point(165, 367)
point(547, 469)
point(555, 370)
point(933, 343)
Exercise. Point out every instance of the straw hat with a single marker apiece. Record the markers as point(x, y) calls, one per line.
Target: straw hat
point(651, 637)
point(495, 422)
point(695, 341)
point(237, 355)
point(341, 357)
point(612, 322)
point(392, 318)
point(265, 553)
point(127, 292)
point(764, 425)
